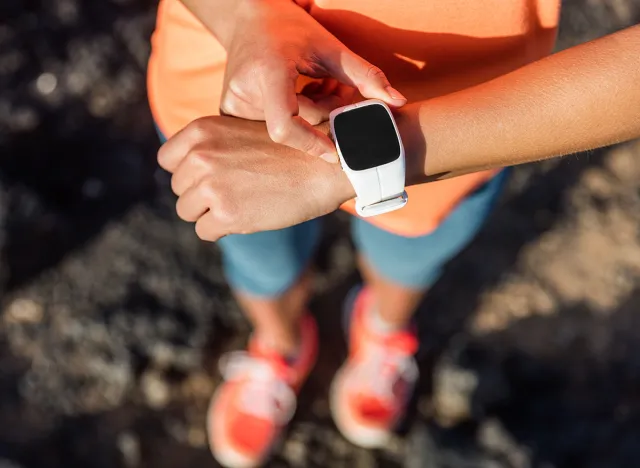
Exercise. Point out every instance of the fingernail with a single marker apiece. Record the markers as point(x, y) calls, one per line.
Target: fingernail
point(330, 157)
point(395, 94)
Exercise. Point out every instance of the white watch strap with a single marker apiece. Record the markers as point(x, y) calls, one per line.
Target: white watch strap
point(383, 206)
point(380, 189)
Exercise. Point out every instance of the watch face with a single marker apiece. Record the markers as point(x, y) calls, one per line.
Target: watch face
point(367, 137)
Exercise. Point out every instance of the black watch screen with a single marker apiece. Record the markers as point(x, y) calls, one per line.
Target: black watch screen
point(367, 137)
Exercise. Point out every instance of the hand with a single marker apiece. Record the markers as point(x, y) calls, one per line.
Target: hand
point(272, 43)
point(232, 179)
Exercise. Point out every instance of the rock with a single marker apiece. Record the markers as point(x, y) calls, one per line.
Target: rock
point(155, 389)
point(197, 437)
point(295, 452)
point(468, 379)
point(46, 83)
point(198, 387)
point(24, 310)
point(452, 392)
point(494, 438)
point(129, 446)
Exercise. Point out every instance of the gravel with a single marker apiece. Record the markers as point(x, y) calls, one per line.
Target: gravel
point(113, 314)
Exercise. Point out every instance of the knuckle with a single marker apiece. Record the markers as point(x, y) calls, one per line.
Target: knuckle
point(236, 86)
point(202, 160)
point(226, 213)
point(227, 108)
point(209, 191)
point(229, 105)
point(203, 231)
point(199, 128)
point(376, 73)
point(198, 125)
point(280, 131)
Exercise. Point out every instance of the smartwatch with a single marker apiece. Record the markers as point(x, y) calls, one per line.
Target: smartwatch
point(371, 154)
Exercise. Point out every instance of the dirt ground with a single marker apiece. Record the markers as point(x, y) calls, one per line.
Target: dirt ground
point(113, 313)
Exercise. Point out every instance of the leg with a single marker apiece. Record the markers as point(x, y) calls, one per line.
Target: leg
point(250, 409)
point(395, 302)
point(275, 320)
point(399, 270)
point(267, 274)
point(370, 392)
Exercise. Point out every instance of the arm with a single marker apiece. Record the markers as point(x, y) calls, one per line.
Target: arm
point(269, 43)
point(230, 178)
point(218, 16)
point(582, 98)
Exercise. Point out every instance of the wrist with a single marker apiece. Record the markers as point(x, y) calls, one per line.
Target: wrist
point(413, 140)
point(339, 186)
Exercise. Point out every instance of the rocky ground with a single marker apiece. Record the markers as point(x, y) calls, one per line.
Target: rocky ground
point(113, 313)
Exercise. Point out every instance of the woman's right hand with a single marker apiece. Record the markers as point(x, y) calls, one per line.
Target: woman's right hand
point(271, 43)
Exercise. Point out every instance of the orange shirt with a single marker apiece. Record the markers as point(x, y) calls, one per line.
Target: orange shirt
point(426, 48)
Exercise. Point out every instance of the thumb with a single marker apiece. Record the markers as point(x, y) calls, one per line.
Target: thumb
point(372, 83)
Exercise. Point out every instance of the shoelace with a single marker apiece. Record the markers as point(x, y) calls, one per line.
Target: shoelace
point(384, 369)
point(264, 394)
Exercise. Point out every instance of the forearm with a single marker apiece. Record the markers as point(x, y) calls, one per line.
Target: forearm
point(578, 99)
point(217, 16)
point(220, 16)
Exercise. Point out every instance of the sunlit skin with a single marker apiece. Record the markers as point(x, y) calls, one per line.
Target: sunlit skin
point(269, 44)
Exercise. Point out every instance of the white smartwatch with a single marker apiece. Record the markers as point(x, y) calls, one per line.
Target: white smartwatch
point(371, 154)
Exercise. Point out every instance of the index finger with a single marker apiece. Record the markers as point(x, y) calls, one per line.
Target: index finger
point(176, 148)
point(281, 113)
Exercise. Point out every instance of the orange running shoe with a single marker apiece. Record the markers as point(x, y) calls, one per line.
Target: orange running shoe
point(370, 392)
point(257, 400)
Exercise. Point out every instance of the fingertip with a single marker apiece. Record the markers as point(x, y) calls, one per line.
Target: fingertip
point(396, 97)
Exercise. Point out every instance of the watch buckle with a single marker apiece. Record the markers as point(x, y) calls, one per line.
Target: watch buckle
point(383, 206)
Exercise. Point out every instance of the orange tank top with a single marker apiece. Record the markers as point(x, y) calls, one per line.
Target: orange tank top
point(427, 48)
